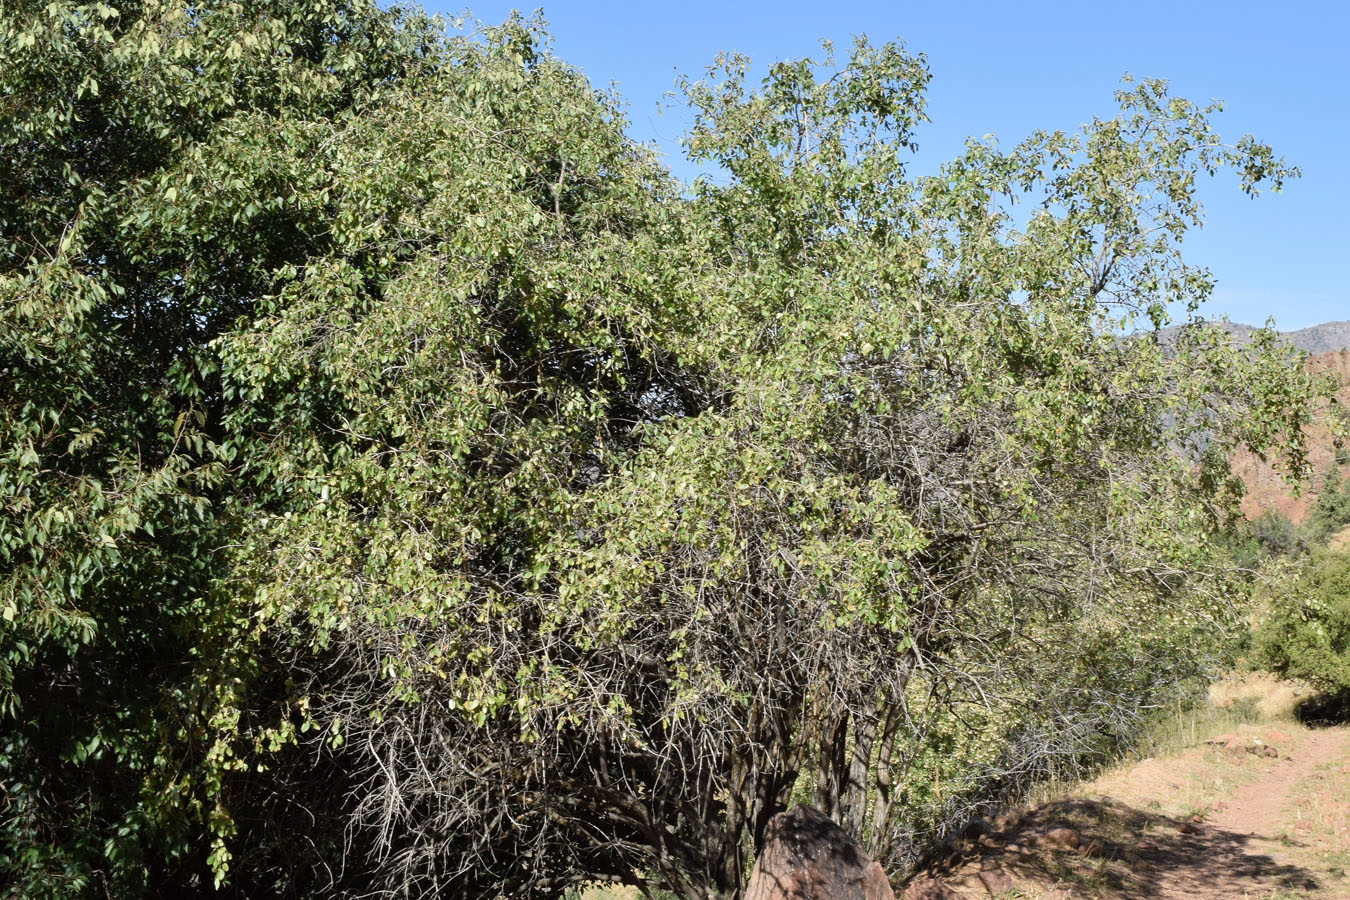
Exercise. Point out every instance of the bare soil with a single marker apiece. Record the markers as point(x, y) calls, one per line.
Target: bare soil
point(1260, 813)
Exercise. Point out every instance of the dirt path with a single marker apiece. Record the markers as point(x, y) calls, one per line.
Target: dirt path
point(1238, 851)
point(1262, 814)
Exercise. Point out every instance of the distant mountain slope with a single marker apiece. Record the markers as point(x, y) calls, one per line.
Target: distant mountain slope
point(1328, 337)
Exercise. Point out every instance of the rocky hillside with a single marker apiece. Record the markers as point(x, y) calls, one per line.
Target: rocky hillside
point(1328, 349)
point(1329, 337)
point(1266, 487)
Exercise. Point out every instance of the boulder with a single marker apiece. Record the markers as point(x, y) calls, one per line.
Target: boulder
point(996, 881)
point(931, 889)
point(1057, 837)
point(975, 830)
point(1061, 838)
point(807, 857)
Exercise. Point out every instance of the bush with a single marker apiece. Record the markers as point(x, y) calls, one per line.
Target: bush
point(1331, 511)
point(1276, 534)
point(1306, 633)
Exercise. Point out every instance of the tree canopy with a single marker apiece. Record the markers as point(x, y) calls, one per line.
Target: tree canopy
point(409, 489)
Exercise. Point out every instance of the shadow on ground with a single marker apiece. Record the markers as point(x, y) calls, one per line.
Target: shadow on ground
point(1324, 710)
point(1121, 852)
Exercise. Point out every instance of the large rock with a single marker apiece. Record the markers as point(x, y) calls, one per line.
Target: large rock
point(1056, 837)
point(808, 857)
point(931, 889)
point(996, 881)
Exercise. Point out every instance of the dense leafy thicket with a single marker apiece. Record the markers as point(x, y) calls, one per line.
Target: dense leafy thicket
point(1303, 627)
point(1306, 632)
point(160, 176)
point(1330, 512)
point(409, 490)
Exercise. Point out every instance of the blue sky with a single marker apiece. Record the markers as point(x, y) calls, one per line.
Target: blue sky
point(1009, 68)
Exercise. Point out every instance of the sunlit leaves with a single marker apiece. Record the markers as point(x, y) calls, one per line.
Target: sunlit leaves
point(378, 416)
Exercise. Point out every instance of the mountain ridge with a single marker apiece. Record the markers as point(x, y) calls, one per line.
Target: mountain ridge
point(1316, 340)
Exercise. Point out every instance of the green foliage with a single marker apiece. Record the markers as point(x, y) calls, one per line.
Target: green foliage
point(156, 176)
point(1272, 535)
point(394, 455)
point(1339, 418)
point(1276, 533)
point(1331, 511)
point(1306, 633)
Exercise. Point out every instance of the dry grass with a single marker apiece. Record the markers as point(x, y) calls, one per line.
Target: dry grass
point(1317, 831)
point(1274, 699)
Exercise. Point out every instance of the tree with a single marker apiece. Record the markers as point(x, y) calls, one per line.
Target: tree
point(155, 185)
point(498, 514)
point(901, 447)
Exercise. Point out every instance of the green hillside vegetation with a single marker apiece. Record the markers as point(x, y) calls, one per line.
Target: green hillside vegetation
point(1331, 511)
point(407, 488)
point(1306, 634)
point(1304, 629)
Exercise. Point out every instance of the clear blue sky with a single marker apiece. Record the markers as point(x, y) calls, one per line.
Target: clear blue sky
point(1008, 68)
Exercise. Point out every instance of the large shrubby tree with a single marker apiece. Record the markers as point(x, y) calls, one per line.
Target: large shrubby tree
point(159, 172)
point(409, 490)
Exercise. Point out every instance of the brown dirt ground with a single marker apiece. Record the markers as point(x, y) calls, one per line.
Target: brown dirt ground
point(1227, 819)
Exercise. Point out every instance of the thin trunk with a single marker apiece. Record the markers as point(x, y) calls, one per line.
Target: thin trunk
point(777, 775)
point(833, 765)
point(879, 840)
point(854, 802)
point(740, 797)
